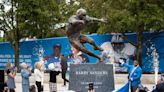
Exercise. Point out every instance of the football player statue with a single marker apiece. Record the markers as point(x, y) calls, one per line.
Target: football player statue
point(76, 24)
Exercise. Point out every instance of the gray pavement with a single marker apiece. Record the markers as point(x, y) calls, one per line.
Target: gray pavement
point(62, 88)
point(120, 80)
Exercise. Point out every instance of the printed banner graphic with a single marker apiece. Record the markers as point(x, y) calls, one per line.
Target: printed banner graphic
point(114, 48)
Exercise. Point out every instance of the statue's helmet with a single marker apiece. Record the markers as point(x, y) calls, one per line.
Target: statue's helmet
point(81, 11)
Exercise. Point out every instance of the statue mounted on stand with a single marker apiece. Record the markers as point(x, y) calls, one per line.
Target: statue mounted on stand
point(76, 24)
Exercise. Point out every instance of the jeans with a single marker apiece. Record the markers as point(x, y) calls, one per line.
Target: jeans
point(25, 87)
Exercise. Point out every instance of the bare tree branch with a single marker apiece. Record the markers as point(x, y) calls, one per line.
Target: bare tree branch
point(126, 38)
point(7, 24)
point(152, 37)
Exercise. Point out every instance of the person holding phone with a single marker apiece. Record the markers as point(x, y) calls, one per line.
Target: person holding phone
point(91, 87)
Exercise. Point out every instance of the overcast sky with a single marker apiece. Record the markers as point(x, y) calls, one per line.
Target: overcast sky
point(6, 7)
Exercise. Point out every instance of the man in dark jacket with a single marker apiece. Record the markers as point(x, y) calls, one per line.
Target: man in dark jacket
point(64, 67)
point(2, 81)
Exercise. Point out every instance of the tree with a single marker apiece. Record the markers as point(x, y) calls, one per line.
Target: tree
point(28, 17)
point(39, 16)
point(129, 16)
point(9, 24)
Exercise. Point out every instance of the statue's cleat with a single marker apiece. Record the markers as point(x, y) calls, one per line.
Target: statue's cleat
point(98, 48)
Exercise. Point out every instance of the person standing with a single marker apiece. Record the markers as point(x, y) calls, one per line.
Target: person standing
point(11, 77)
point(3, 84)
point(53, 74)
point(25, 77)
point(135, 73)
point(38, 76)
point(64, 67)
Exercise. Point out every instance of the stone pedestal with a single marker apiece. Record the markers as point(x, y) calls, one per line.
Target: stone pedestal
point(101, 75)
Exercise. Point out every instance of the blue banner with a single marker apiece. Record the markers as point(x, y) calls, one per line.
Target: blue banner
point(125, 88)
point(31, 51)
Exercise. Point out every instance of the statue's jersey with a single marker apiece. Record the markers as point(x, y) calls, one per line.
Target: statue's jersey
point(74, 26)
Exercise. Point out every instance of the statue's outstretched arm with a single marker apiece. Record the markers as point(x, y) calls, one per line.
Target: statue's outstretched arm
point(88, 18)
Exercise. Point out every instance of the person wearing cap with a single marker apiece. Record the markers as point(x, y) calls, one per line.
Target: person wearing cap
point(91, 87)
point(58, 59)
point(55, 56)
point(25, 77)
point(75, 24)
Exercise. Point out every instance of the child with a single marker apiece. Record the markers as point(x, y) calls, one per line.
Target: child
point(53, 74)
point(25, 77)
point(39, 75)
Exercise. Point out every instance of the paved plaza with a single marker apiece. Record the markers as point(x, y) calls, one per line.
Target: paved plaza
point(120, 80)
point(62, 88)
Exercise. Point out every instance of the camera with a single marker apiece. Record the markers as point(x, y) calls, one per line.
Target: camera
point(91, 87)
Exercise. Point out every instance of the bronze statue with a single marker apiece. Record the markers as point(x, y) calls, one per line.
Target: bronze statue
point(75, 24)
